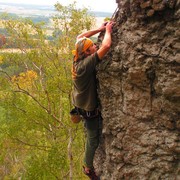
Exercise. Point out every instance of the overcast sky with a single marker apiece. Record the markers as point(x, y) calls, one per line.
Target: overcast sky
point(95, 5)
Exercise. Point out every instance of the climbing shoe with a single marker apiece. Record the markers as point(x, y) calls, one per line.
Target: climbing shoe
point(91, 174)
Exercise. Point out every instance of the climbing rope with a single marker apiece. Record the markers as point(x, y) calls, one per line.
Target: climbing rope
point(113, 16)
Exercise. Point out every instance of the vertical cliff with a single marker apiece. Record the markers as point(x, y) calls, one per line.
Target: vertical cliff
point(139, 90)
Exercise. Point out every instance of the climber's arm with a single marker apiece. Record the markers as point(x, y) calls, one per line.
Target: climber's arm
point(106, 43)
point(92, 32)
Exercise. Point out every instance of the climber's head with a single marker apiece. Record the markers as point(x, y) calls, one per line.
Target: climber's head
point(83, 48)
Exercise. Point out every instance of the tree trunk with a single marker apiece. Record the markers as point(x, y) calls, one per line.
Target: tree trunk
point(70, 155)
point(139, 90)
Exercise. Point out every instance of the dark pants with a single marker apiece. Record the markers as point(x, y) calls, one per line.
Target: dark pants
point(94, 130)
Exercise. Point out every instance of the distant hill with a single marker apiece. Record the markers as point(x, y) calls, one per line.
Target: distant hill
point(28, 10)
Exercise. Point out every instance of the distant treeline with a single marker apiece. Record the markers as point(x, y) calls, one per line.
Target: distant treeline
point(35, 19)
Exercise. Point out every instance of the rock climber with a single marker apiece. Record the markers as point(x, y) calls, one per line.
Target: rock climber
point(84, 95)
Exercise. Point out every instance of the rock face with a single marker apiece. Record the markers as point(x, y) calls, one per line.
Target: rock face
point(139, 90)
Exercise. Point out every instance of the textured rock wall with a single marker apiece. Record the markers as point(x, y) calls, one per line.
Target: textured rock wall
point(139, 89)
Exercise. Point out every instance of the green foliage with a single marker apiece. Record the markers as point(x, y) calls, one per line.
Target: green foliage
point(37, 137)
point(107, 19)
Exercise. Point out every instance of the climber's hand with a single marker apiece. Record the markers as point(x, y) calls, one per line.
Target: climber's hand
point(109, 26)
point(103, 26)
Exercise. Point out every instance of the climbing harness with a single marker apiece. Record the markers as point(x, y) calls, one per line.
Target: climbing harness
point(92, 114)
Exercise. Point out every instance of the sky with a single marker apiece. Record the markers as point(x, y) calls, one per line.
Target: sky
point(94, 5)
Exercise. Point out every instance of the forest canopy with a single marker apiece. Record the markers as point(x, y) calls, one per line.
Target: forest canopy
point(37, 138)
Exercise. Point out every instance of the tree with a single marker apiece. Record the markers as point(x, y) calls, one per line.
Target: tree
point(35, 98)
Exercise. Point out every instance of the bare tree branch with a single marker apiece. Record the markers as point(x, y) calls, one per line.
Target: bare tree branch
point(43, 107)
